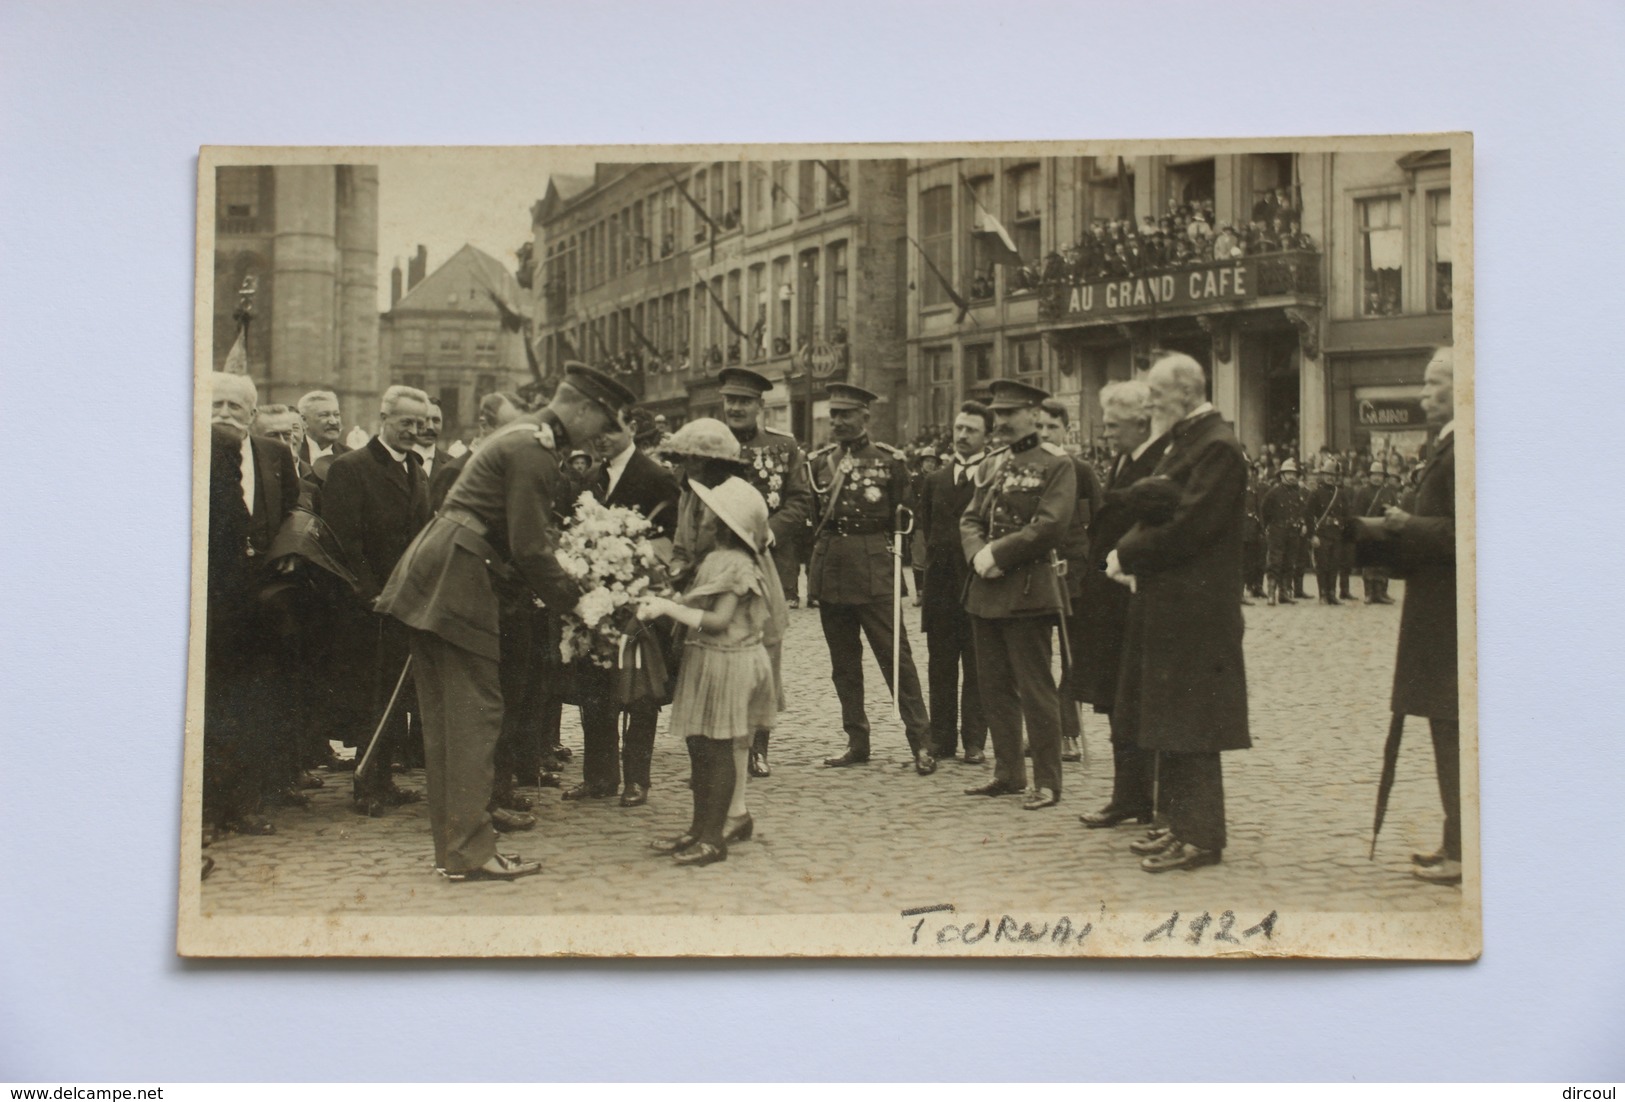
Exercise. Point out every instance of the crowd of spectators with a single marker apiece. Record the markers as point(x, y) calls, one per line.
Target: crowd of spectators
point(1186, 236)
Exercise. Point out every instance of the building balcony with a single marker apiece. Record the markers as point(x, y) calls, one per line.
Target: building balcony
point(1271, 279)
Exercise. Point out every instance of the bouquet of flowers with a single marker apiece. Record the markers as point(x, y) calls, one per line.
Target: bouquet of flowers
point(611, 553)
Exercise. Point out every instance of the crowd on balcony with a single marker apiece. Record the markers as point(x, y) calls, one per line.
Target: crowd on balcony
point(1185, 237)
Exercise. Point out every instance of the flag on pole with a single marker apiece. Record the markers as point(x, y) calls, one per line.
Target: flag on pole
point(991, 232)
point(237, 358)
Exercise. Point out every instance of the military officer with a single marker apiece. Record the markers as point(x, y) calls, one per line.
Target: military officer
point(1325, 513)
point(491, 544)
point(1374, 499)
point(1053, 423)
point(775, 465)
point(861, 482)
point(1252, 535)
point(1026, 498)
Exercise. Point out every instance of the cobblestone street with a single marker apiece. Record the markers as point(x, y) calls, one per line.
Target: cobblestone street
point(878, 838)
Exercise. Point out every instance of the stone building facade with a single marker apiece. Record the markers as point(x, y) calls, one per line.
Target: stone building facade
point(666, 273)
point(444, 335)
point(308, 235)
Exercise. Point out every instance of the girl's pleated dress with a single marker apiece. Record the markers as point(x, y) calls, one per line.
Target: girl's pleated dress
point(725, 687)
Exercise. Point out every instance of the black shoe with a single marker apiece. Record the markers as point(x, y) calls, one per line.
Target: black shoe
point(673, 845)
point(1110, 816)
point(851, 757)
point(636, 795)
point(994, 788)
point(549, 779)
point(1180, 855)
point(563, 753)
point(500, 867)
point(701, 853)
point(509, 821)
point(397, 797)
point(739, 830)
point(1154, 842)
point(585, 791)
point(758, 764)
point(924, 763)
point(513, 801)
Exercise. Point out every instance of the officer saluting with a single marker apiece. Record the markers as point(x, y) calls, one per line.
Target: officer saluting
point(1022, 511)
point(861, 484)
point(775, 465)
point(491, 545)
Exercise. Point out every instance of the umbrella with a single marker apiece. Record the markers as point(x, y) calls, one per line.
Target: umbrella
point(1385, 786)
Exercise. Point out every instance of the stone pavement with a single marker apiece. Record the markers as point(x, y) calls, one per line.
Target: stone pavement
point(878, 838)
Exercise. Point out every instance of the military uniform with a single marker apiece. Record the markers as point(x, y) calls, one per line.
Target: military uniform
point(774, 464)
point(1282, 513)
point(1325, 512)
point(861, 483)
point(1023, 509)
point(1252, 538)
point(490, 546)
point(1374, 501)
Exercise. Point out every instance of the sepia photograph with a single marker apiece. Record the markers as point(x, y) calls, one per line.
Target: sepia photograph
point(1039, 549)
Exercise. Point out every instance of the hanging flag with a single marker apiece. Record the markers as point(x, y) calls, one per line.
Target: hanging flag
point(991, 232)
point(727, 317)
point(237, 358)
point(957, 298)
point(776, 189)
point(699, 210)
point(637, 331)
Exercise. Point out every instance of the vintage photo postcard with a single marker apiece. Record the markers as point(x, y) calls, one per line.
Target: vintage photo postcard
point(926, 551)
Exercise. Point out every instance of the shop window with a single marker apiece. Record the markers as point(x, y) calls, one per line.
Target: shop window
point(937, 240)
point(1382, 252)
point(1440, 296)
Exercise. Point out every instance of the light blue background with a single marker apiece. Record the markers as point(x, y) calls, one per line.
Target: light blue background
point(102, 108)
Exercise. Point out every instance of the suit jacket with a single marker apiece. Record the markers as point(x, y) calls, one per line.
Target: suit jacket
point(1024, 507)
point(1425, 681)
point(939, 554)
point(374, 506)
point(1103, 604)
point(1183, 682)
point(644, 485)
point(493, 542)
point(445, 472)
point(276, 492)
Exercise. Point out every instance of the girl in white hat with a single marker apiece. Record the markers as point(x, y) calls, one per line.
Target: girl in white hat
point(726, 690)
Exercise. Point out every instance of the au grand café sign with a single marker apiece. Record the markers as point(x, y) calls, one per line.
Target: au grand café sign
point(1182, 290)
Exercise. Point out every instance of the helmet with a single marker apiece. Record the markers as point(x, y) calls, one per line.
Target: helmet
point(1377, 468)
point(1289, 467)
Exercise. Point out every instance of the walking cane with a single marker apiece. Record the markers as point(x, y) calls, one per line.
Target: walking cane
point(899, 530)
point(383, 721)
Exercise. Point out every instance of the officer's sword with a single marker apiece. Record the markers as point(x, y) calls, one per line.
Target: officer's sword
point(1058, 570)
point(383, 721)
point(902, 525)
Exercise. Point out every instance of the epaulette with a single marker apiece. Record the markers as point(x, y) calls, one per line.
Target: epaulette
point(779, 432)
point(825, 450)
point(1053, 449)
point(895, 453)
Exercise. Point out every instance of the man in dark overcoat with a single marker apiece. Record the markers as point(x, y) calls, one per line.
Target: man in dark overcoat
point(628, 479)
point(375, 501)
point(956, 701)
point(1425, 681)
point(861, 482)
point(1126, 407)
point(493, 542)
point(1053, 426)
point(1184, 681)
point(1022, 512)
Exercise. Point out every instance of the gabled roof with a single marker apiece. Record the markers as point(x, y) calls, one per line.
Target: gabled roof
point(561, 188)
point(469, 275)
